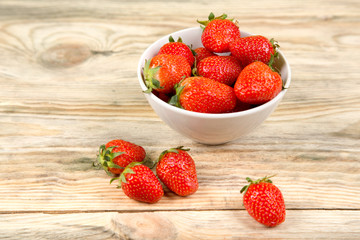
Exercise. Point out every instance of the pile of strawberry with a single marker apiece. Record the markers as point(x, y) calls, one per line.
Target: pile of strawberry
point(175, 168)
point(229, 73)
point(202, 80)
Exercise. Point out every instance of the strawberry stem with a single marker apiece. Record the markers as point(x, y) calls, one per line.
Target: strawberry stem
point(275, 46)
point(210, 18)
point(271, 62)
point(175, 100)
point(105, 158)
point(264, 179)
point(171, 39)
point(128, 169)
point(171, 150)
point(149, 76)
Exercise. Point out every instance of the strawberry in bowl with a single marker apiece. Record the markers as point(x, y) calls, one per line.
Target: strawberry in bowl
point(227, 119)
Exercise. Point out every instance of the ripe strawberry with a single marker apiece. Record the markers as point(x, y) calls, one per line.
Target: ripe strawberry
point(224, 69)
point(163, 71)
point(138, 182)
point(178, 48)
point(253, 48)
point(117, 154)
point(162, 96)
point(176, 169)
point(202, 53)
point(241, 106)
point(264, 202)
point(257, 84)
point(218, 33)
point(204, 95)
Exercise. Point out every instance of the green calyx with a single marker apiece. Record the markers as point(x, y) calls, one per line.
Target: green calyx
point(275, 55)
point(171, 39)
point(173, 150)
point(127, 170)
point(210, 18)
point(275, 46)
point(175, 99)
point(149, 77)
point(105, 158)
point(246, 187)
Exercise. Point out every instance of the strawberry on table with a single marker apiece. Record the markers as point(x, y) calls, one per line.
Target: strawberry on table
point(163, 71)
point(253, 48)
point(115, 155)
point(264, 202)
point(218, 33)
point(176, 169)
point(257, 84)
point(205, 95)
point(224, 69)
point(178, 48)
point(138, 182)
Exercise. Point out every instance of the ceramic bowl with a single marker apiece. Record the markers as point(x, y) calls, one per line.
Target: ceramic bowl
point(204, 127)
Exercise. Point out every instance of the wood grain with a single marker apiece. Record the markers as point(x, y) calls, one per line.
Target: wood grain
point(179, 225)
point(68, 84)
point(67, 182)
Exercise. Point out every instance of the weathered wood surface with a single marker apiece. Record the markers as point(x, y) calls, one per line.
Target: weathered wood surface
point(179, 225)
point(68, 84)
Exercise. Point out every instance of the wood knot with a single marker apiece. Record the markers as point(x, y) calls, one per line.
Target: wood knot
point(64, 55)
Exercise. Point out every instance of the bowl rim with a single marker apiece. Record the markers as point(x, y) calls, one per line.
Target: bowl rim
point(208, 115)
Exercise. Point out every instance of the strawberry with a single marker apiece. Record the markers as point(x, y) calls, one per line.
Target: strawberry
point(163, 71)
point(253, 48)
point(264, 202)
point(218, 33)
point(257, 84)
point(138, 182)
point(202, 53)
point(224, 69)
point(117, 154)
point(176, 169)
point(162, 96)
point(178, 48)
point(204, 95)
point(241, 106)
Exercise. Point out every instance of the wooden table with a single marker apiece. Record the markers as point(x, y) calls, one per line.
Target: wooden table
point(68, 84)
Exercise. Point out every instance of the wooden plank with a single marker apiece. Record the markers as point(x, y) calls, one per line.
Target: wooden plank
point(179, 225)
point(311, 140)
point(60, 177)
point(68, 84)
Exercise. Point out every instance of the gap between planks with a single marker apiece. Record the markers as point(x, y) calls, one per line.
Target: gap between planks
point(166, 210)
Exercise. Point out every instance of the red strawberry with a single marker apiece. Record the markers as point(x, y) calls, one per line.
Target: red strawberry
point(264, 202)
point(218, 33)
point(257, 84)
point(204, 95)
point(117, 154)
point(178, 48)
point(241, 106)
point(138, 182)
point(202, 53)
point(176, 169)
point(164, 71)
point(162, 96)
point(224, 69)
point(253, 48)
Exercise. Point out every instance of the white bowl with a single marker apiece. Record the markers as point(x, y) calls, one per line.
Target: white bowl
point(209, 128)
